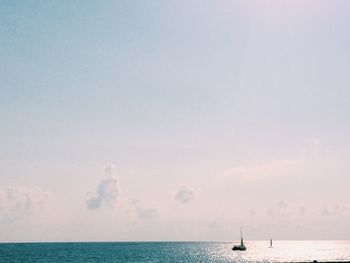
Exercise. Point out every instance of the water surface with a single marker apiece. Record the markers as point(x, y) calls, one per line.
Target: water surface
point(258, 251)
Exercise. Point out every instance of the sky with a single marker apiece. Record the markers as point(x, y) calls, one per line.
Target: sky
point(174, 120)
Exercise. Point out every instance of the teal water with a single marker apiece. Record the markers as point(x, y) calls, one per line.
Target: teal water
point(258, 251)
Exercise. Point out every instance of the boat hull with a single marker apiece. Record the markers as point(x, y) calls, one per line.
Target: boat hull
point(239, 248)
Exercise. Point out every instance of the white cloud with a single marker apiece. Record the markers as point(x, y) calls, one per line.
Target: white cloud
point(184, 194)
point(18, 201)
point(107, 191)
point(271, 169)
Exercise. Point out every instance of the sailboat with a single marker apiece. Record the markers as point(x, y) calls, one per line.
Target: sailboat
point(241, 247)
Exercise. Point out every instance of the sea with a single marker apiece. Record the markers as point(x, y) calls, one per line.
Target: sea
point(257, 251)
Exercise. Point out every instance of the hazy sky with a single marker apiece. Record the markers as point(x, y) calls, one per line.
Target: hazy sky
point(174, 120)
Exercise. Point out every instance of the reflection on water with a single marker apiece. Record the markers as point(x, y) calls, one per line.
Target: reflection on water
point(288, 251)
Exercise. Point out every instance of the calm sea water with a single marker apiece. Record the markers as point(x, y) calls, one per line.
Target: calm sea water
point(258, 251)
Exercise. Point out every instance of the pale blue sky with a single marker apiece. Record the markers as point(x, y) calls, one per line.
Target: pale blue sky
point(216, 101)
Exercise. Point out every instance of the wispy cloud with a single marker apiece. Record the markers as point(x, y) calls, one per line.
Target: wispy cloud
point(184, 194)
point(17, 201)
point(145, 213)
point(252, 212)
point(281, 209)
point(285, 209)
point(302, 210)
point(271, 169)
point(279, 167)
point(333, 209)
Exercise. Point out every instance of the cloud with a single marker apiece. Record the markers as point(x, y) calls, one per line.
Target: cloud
point(302, 210)
point(276, 168)
point(252, 212)
point(281, 209)
point(110, 170)
point(284, 209)
point(107, 191)
point(333, 209)
point(184, 194)
point(145, 213)
point(18, 201)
